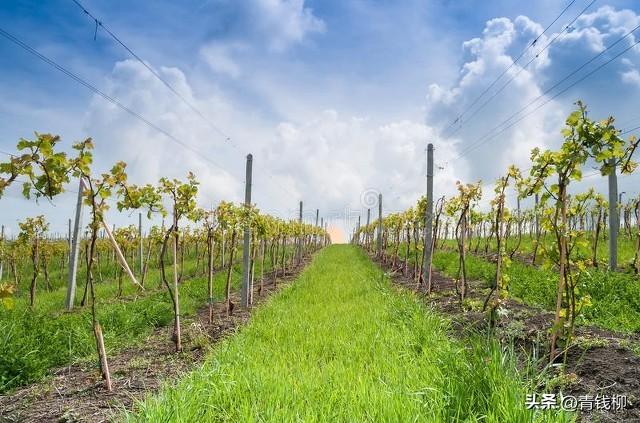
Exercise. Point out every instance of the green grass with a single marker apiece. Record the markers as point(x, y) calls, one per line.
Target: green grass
point(626, 247)
point(33, 341)
point(615, 296)
point(341, 344)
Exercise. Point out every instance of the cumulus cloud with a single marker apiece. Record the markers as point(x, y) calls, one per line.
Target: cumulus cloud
point(344, 159)
point(491, 55)
point(328, 155)
point(550, 58)
point(285, 22)
point(220, 57)
point(328, 161)
point(149, 153)
point(631, 77)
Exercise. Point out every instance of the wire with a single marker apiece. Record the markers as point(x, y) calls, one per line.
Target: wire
point(630, 130)
point(529, 46)
point(112, 100)
point(629, 121)
point(513, 77)
point(227, 137)
point(484, 139)
point(7, 153)
point(489, 134)
point(101, 24)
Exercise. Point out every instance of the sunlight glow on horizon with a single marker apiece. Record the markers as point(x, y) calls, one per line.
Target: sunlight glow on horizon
point(337, 235)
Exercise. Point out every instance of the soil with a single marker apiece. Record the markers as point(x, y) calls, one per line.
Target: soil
point(76, 393)
point(599, 362)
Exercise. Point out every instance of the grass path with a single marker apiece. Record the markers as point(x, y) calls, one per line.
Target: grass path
point(341, 344)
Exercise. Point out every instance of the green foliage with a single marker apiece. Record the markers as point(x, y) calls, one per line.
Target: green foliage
point(181, 194)
point(32, 229)
point(6, 295)
point(614, 297)
point(126, 237)
point(499, 213)
point(342, 345)
point(46, 169)
point(468, 196)
point(31, 342)
point(584, 139)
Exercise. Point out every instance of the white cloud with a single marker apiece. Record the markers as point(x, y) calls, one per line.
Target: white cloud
point(491, 54)
point(631, 77)
point(285, 22)
point(308, 144)
point(598, 29)
point(340, 157)
point(150, 154)
point(328, 161)
point(219, 56)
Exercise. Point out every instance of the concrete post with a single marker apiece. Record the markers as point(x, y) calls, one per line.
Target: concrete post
point(1, 262)
point(367, 241)
point(300, 237)
point(613, 217)
point(140, 247)
point(380, 225)
point(315, 237)
point(75, 250)
point(69, 237)
point(428, 223)
point(246, 253)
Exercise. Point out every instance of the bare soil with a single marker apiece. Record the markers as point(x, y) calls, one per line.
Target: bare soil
point(599, 361)
point(76, 393)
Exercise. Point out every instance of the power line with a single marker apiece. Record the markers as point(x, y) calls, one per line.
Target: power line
point(7, 153)
point(513, 63)
point(513, 77)
point(490, 136)
point(101, 24)
point(105, 96)
point(630, 130)
point(629, 121)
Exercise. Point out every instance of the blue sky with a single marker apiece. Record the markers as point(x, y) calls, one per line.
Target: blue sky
point(333, 98)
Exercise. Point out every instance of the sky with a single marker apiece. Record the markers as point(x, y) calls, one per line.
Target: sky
point(335, 100)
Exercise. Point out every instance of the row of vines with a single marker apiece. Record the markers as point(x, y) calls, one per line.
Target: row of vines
point(209, 238)
point(564, 231)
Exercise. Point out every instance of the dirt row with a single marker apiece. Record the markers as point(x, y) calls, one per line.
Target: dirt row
point(600, 361)
point(76, 393)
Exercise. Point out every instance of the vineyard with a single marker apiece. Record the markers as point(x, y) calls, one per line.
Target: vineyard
point(181, 268)
point(180, 242)
point(523, 273)
point(538, 281)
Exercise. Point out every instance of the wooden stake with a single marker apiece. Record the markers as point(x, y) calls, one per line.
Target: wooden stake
point(120, 256)
point(104, 365)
